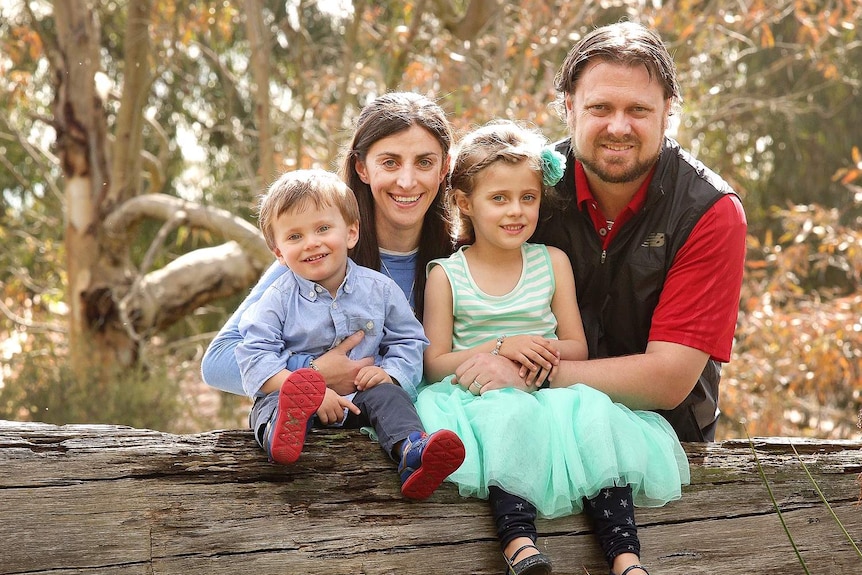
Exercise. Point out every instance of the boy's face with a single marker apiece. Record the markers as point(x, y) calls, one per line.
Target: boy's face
point(314, 242)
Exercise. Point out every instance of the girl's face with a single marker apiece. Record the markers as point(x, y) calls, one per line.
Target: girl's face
point(404, 171)
point(504, 205)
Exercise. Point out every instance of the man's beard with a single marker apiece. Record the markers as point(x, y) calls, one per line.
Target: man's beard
point(640, 168)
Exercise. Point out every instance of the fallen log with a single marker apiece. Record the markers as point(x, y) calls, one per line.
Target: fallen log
point(97, 499)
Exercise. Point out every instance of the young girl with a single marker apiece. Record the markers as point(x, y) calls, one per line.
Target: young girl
point(551, 452)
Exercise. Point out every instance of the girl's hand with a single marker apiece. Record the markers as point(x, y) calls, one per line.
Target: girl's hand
point(331, 410)
point(370, 376)
point(531, 351)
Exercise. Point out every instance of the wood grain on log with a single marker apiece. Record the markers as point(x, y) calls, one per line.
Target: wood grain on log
point(96, 499)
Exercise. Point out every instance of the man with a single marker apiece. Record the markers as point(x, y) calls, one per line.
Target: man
point(657, 245)
point(656, 239)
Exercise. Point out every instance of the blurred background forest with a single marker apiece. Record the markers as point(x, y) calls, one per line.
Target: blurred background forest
point(135, 136)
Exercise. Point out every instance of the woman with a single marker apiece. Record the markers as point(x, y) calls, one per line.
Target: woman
point(396, 165)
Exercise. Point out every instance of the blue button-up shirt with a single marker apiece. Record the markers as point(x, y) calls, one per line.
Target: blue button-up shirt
point(297, 316)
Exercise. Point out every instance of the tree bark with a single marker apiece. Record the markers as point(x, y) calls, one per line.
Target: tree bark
point(259, 43)
point(109, 500)
point(93, 267)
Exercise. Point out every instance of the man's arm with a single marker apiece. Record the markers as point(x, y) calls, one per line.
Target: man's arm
point(660, 378)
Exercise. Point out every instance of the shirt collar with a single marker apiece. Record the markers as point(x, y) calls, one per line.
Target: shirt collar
point(584, 194)
point(311, 290)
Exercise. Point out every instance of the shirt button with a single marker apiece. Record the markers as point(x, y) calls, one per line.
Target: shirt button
point(369, 325)
point(318, 289)
point(335, 305)
point(311, 294)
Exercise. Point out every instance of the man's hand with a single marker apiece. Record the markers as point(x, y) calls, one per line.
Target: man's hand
point(332, 408)
point(338, 370)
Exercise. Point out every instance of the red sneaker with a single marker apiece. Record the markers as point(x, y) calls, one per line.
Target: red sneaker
point(427, 460)
point(300, 395)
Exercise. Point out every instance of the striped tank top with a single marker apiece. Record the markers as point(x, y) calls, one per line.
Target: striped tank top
point(479, 317)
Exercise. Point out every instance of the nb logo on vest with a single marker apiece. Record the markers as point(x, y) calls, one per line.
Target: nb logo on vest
point(654, 240)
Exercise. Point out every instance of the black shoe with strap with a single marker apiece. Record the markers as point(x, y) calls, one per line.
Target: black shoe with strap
point(537, 564)
point(630, 567)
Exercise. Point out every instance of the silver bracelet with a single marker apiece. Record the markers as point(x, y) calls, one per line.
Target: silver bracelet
point(312, 365)
point(496, 350)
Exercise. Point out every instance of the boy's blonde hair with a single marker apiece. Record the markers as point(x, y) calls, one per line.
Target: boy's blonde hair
point(300, 190)
point(496, 141)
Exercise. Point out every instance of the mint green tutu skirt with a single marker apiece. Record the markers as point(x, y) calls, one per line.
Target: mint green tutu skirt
point(556, 446)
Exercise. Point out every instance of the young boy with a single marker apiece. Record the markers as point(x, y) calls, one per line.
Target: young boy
point(310, 220)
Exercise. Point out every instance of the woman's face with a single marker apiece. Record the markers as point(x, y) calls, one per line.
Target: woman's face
point(404, 172)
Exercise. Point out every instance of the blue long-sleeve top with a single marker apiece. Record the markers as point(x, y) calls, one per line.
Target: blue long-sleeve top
point(295, 316)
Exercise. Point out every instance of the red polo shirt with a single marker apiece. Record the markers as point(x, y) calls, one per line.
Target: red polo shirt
point(699, 303)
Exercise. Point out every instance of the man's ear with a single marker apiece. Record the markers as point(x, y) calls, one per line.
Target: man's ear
point(352, 235)
point(570, 105)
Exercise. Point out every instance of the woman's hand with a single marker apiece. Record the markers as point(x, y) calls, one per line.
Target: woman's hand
point(339, 371)
point(490, 371)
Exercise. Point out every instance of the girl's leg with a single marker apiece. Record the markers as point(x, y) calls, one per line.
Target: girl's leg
point(515, 519)
point(613, 517)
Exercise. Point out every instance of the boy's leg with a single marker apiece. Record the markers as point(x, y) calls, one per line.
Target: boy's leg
point(424, 461)
point(281, 419)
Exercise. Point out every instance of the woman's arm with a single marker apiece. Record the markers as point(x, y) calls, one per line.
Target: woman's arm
point(219, 367)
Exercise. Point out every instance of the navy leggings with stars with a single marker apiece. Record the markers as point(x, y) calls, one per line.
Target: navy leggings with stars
point(611, 512)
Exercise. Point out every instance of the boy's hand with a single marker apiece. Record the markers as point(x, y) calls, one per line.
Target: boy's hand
point(331, 410)
point(370, 376)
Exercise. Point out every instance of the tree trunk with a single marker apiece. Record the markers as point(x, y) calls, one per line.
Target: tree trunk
point(108, 500)
point(259, 42)
point(97, 341)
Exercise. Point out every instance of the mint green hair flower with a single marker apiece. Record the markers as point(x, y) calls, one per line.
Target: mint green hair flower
point(553, 166)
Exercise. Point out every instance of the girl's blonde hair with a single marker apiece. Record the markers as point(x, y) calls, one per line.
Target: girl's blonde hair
point(301, 189)
point(496, 141)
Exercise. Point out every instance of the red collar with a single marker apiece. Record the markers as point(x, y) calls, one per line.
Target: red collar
point(587, 201)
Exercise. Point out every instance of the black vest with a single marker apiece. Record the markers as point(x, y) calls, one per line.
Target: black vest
point(618, 290)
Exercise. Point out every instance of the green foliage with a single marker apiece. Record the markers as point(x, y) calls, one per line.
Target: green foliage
point(42, 388)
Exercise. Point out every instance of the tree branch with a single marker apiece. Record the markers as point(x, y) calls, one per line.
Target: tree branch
point(163, 207)
point(169, 294)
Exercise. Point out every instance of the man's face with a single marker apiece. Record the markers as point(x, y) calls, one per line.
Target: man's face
point(617, 117)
